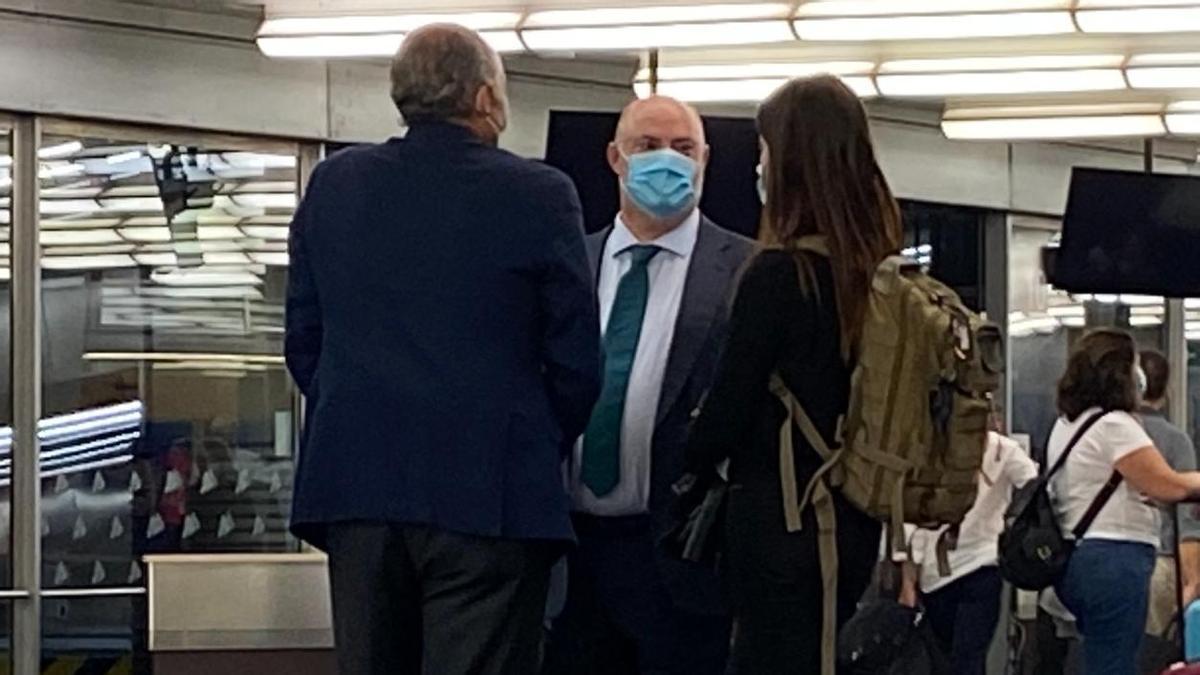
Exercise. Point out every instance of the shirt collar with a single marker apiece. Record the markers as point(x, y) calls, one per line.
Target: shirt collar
point(680, 241)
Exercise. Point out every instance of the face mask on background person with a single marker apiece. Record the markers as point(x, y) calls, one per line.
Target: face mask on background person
point(661, 182)
point(1140, 378)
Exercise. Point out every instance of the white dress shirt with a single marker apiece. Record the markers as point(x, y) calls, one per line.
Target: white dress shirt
point(668, 276)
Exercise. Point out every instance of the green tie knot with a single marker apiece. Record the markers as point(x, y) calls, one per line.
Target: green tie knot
point(642, 254)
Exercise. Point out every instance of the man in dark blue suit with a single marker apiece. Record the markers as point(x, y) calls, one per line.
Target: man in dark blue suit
point(665, 275)
point(441, 321)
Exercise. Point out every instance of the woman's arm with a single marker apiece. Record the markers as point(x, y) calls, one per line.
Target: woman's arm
point(1149, 473)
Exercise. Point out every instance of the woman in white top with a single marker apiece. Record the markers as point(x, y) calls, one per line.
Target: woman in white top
point(964, 606)
point(1106, 584)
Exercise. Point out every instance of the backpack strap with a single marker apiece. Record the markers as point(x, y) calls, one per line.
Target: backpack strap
point(820, 496)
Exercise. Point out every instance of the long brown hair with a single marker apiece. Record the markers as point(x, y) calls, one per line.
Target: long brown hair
point(1099, 374)
point(822, 179)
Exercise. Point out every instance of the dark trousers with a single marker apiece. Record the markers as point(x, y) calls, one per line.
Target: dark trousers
point(619, 618)
point(410, 600)
point(964, 615)
point(775, 577)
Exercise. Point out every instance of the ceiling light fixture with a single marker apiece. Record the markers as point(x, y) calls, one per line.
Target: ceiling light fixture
point(1054, 122)
point(1138, 16)
point(866, 20)
point(1183, 118)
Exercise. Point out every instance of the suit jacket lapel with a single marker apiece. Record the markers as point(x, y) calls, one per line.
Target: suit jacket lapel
point(703, 297)
point(595, 249)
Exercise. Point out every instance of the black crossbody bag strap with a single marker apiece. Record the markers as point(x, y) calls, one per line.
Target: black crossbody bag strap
point(1062, 459)
point(1106, 492)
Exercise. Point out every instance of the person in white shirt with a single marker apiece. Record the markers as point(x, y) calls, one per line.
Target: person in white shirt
point(963, 606)
point(665, 275)
point(1113, 471)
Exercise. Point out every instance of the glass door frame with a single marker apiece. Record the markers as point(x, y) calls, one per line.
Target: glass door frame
point(26, 592)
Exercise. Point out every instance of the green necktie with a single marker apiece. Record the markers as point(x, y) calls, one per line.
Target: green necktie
point(601, 469)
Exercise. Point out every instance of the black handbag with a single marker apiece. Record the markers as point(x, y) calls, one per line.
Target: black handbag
point(1033, 550)
point(698, 536)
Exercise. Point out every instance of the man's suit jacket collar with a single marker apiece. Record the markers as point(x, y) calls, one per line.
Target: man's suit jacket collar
point(705, 295)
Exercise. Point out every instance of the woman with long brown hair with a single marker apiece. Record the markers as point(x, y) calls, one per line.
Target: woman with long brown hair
point(798, 314)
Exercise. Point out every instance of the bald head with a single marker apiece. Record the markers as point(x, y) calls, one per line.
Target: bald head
point(660, 117)
point(439, 72)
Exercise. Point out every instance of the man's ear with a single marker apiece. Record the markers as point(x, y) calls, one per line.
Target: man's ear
point(614, 158)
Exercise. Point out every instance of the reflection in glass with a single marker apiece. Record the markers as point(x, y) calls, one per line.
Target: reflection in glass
point(163, 279)
point(1045, 321)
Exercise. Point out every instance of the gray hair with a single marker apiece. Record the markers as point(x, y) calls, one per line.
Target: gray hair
point(438, 71)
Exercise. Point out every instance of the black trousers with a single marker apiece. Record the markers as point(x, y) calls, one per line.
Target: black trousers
point(410, 600)
point(620, 619)
point(775, 579)
point(964, 615)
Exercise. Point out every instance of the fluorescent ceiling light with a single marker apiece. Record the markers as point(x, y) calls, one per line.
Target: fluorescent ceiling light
point(79, 237)
point(60, 150)
point(349, 25)
point(712, 91)
point(625, 16)
point(66, 207)
point(156, 259)
point(268, 232)
point(122, 157)
point(87, 262)
point(218, 233)
point(1184, 124)
point(269, 200)
point(1140, 19)
point(351, 46)
point(1013, 82)
point(899, 7)
point(61, 170)
point(619, 38)
point(1164, 77)
point(934, 27)
point(272, 259)
point(232, 258)
point(183, 356)
point(1165, 59)
point(1051, 128)
point(200, 276)
point(1003, 63)
point(5, 161)
point(132, 204)
point(739, 71)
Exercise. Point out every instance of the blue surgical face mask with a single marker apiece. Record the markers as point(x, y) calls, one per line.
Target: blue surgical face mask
point(661, 182)
point(762, 186)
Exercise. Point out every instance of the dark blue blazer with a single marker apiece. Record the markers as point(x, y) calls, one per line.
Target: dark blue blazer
point(442, 321)
point(700, 331)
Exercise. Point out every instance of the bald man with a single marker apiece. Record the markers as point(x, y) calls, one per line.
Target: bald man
point(664, 275)
point(441, 322)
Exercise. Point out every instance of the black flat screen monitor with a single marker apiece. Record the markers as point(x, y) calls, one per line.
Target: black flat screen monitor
point(1129, 232)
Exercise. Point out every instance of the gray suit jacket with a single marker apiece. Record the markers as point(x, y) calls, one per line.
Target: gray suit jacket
point(700, 331)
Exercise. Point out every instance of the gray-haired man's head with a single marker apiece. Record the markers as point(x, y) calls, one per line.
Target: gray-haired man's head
point(447, 73)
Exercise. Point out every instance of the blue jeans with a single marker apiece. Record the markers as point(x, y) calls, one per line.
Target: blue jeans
point(1107, 588)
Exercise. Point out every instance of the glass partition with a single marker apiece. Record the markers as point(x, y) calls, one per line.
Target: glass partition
point(1045, 321)
point(168, 413)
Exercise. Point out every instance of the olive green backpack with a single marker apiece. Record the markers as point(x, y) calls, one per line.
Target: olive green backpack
point(916, 428)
